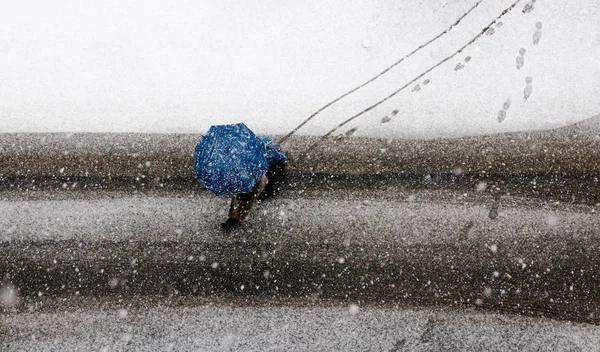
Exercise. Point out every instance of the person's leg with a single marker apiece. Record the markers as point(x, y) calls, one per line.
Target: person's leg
point(276, 175)
point(242, 203)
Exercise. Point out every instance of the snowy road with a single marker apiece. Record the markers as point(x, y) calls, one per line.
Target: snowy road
point(223, 324)
point(402, 229)
point(394, 245)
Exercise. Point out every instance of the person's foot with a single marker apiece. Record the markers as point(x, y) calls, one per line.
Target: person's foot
point(230, 224)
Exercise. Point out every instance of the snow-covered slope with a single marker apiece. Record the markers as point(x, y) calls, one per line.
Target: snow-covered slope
point(488, 66)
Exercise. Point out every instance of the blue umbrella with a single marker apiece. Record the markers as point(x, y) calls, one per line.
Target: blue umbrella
point(230, 159)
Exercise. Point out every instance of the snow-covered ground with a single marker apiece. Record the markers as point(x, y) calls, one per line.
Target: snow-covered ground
point(175, 66)
point(224, 325)
point(394, 244)
point(379, 217)
point(464, 67)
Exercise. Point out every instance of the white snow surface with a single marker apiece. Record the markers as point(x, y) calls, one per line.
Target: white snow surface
point(380, 218)
point(221, 325)
point(175, 66)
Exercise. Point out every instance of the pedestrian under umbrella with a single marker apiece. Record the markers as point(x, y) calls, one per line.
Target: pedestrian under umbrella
point(232, 160)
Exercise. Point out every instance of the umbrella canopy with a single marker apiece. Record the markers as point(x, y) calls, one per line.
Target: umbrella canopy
point(230, 159)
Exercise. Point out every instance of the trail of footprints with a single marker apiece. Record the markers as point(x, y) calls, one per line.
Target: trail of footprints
point(502, 113)
point(529, 6)
point(417, 87)
point(521, 58)
point(460, 65)
point(387, 119)
point(537, 35)
point(520, 62)
point(528, 88)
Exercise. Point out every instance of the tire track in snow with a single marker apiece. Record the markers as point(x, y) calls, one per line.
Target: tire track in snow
point(286, 137)
point(460, 50)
